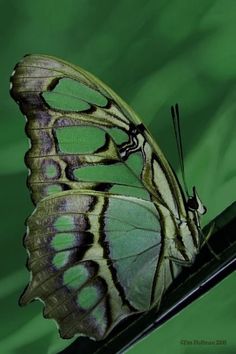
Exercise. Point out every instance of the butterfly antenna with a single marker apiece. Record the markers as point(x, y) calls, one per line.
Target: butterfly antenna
point(178, 138)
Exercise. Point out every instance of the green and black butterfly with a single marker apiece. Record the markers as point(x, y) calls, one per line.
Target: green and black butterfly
point(111, 227)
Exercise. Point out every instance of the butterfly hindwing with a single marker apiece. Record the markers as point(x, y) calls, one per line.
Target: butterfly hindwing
point(93, 259)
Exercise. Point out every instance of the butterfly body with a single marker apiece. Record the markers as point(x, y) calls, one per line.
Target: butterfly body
point(111, 228)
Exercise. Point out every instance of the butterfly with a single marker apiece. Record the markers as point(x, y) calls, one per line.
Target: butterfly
point(112, 227)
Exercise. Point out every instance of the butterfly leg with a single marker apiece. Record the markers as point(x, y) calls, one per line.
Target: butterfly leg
point(181, 262)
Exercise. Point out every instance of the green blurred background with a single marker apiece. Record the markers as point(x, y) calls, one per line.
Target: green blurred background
point(153, 54)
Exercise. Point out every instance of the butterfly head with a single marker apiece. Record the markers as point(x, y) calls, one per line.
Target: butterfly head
point(194, 203)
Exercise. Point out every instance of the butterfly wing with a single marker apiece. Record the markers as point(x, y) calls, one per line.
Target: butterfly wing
point(72, 123)
point(87, 148)
point(93, 258)
point(84, 136)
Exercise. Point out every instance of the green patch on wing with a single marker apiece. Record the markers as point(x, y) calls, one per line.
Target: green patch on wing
point(118, 135)
point(99, 314)
point(64, 223)
point(86, 139)
point(71, 95)
point(120, 173)
point(53, 188)
point(117, 173)
point(80, 139)
point(60, 259)
point(76, 276)
point(135, 163)
point(63, 241)
point(134, 236)
point(51, 171)
point(137, 192)
point(88, 297)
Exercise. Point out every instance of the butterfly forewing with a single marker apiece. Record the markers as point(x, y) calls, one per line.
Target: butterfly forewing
point(110, 230)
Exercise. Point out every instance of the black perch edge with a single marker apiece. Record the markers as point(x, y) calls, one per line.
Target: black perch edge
point(207, 271)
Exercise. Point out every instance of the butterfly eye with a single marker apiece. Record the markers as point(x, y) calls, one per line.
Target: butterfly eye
point(194, 203)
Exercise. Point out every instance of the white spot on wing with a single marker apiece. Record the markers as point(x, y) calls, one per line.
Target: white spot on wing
point(13, 73)
point(11, 86)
